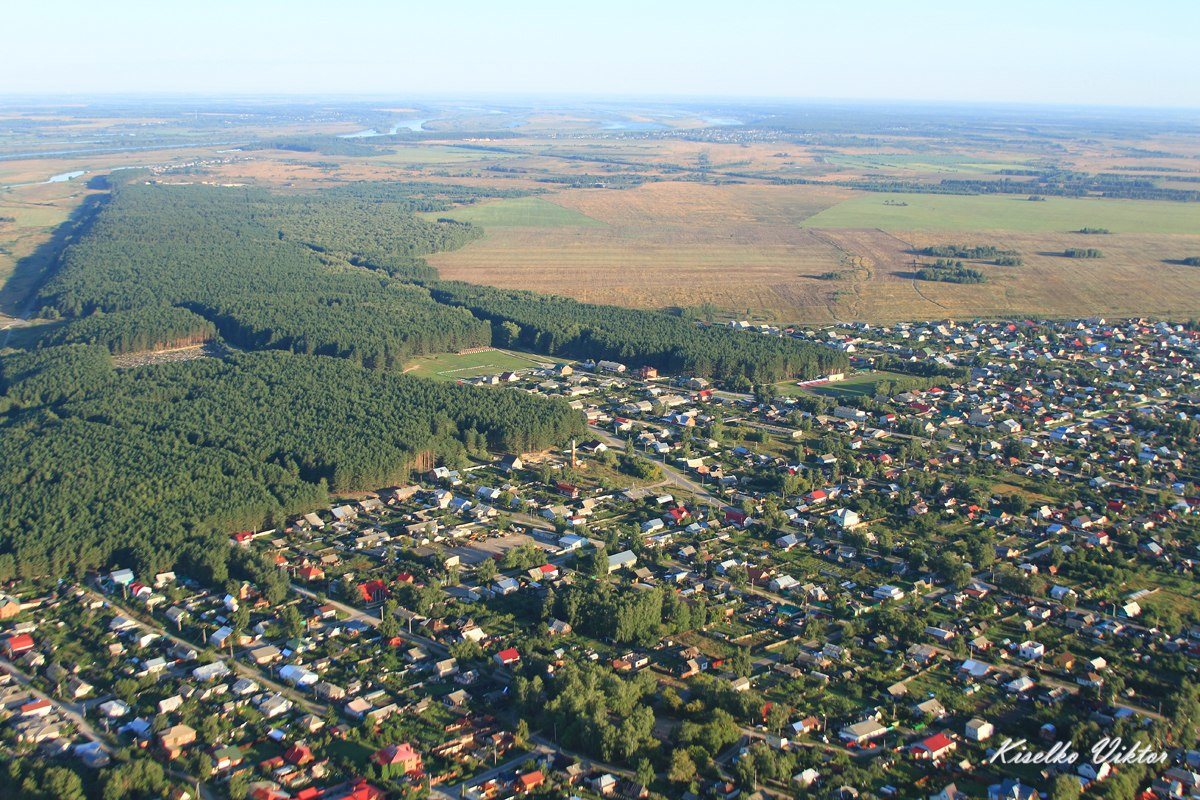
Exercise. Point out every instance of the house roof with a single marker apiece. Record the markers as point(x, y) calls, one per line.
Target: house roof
point(936, 743)
point(396, 754)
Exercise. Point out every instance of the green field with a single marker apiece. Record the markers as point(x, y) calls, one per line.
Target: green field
point(522, 212)
point(1007, 212)
point(454, 367)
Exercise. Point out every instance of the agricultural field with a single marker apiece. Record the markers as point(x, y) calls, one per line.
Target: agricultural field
point(464, 366)
point(28, 218)
point(752, 249)
point(921, 164)
point(907, 212)
point(520, 212)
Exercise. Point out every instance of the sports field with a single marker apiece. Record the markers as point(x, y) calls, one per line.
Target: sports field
point(464, 366)
point(856, 385)
point(908, 212)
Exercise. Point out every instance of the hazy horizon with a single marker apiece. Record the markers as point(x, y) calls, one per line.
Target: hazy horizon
point(1027, 53)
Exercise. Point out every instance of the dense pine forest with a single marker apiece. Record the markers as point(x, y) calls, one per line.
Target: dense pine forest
point(560, 326)
point(96, 462)
point(245, 260)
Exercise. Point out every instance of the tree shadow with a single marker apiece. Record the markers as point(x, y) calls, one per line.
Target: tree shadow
point(18, 296)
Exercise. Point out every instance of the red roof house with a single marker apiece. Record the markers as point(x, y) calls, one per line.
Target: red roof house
point(298, 755)
point(933, 748)
point(399, 757)
point(17, 644)
point(373, 591)
point(530, 781)
point(311, 573)
point(506, 657)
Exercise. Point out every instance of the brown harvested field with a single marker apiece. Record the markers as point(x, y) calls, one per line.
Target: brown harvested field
point(739, 247)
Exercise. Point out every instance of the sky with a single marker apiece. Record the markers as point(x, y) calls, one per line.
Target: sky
point(1099, 52)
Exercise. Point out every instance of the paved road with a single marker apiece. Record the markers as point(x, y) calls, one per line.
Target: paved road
point(455, 791)
point(70, 711)
point(245, 670)
point(671, 474)
point(371, 617)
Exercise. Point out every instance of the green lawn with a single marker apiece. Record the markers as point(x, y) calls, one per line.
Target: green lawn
point(1007, 212)
point(521, 212)
point(453, 367)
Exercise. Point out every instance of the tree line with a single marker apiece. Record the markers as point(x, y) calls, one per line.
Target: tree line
point(560, 326)
point(151, 328)
point(973, 253)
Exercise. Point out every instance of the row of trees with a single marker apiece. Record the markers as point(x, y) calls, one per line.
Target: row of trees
point(560, 326)
point(973, 252)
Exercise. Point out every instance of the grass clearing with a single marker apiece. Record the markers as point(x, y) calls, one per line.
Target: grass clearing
point(464, 366)
point(1006, 489)
point(521, 212)
point(1008, 212)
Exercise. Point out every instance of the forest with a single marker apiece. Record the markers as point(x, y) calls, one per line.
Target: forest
point(561, 326)
point(269, 271)
point(96, 462)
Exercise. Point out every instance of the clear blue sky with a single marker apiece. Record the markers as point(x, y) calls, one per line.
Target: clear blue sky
point(1050, 51)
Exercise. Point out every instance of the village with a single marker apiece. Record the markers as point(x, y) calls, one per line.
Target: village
point(859, 585)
